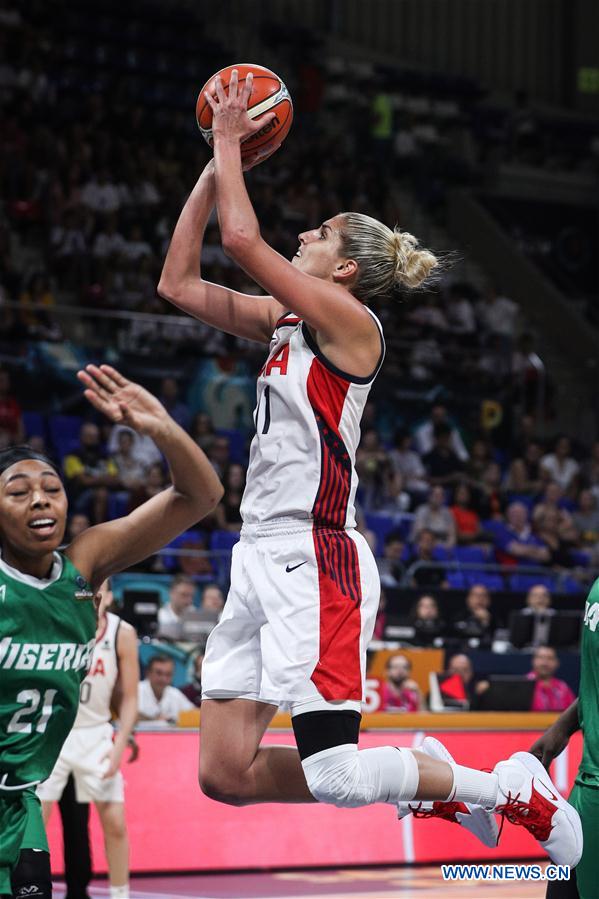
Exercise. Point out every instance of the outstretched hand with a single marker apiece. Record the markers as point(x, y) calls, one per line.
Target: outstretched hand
point(123, 401)
point(230, 117)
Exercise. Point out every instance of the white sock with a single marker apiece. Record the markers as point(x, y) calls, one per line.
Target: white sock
point(120, 892)
point(475, 787)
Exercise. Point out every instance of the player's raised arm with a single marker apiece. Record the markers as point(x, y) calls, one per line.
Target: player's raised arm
point(111, 547)
point(181, 280)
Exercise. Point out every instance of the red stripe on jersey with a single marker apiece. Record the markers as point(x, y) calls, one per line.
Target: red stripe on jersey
point(284, 321)
point(326, 395)
point(337, 675)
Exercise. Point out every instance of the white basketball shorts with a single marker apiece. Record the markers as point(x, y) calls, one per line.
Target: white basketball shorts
point(298, 619)
point(83, 756)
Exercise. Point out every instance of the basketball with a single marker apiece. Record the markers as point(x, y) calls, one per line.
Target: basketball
point(268, 93)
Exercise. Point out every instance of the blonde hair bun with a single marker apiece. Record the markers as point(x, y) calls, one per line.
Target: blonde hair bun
point(387, 259)
point(413, 266)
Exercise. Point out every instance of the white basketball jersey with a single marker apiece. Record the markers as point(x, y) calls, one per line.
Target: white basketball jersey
point(307, 420)
point(96, 689)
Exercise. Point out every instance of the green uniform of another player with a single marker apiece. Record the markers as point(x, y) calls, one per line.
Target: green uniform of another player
point(47, 634)
point(585, 794)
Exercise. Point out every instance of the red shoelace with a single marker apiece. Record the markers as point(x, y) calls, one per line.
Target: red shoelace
point(446, 810)
point(535, 815)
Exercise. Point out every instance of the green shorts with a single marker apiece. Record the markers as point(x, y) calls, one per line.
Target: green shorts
point(585, 799)
point(21, 827)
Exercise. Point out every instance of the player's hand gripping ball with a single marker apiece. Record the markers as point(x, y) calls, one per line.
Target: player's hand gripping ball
point(268, 94)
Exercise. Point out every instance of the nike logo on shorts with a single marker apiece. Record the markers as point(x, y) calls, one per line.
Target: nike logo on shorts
point(288, 569)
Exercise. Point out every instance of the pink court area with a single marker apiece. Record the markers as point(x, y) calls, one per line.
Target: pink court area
point(364, 883)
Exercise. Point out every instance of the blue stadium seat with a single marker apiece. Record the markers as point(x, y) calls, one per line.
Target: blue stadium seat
point(237, 445)
point(490, 580)
point(580, 557)
point(64, 433)
point(188, 539)
point(381, 525)
point(456, 581)
point(35, 425)
point(118, 504)
point(471, 555)
point(443, 554)
point(223, 541)
point(521, 583)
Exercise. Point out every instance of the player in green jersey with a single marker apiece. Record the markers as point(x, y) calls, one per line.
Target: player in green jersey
point(583, 713)
point(47, 619)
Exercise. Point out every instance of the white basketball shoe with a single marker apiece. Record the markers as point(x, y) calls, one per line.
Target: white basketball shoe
point(478, 820)
point(527, 797)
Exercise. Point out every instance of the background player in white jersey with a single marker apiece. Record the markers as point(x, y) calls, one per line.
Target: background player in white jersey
point(304, 585)
point(90, 753)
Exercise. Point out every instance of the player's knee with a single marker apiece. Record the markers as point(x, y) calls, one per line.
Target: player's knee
point(333, 777)
point(113, 822)
point(221, 786)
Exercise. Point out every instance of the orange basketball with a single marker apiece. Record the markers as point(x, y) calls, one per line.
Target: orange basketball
point(268, 93)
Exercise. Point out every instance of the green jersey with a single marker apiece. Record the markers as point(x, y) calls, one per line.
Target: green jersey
point(588, 694)
point(47, 631)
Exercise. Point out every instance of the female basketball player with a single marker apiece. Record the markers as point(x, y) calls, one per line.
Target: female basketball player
point(304, 585)
point(47, 620)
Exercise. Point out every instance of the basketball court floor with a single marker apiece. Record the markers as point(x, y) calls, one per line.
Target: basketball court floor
point(363, 883)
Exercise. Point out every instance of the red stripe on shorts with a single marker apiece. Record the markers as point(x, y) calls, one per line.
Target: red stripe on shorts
point(337, 674)
point(326, 395)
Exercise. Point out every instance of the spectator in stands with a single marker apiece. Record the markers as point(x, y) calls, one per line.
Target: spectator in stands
point(409, 465)
point(109, 243)
point(77, 523)
point(551, 694)
point(560, 465)
point(428, 625)
point(212, 599)
point(442, 464)
point(11, 416)
point(157, 699)
point(90, 474)
point(38, 323)
point(399, 693)
point(552, 501)
point(528, 374)
point(425, 552)
point(131, 472)
point(144, 449)
point(154, 482)
point(136, 248)
point(169, 397)
point(435, 516)
point(498, 314)
point(424, 434)
point(515, 541)
point(391, 499)
point(586, 518)
point(390, 566)
point(381, 618)
point(492, 499)
point(475, 622)
point(480, 457)
point(467, 522)
point(559, 538)
point(538, 598)
point(372, 465)
point(202, 430)
point(219, 453)
point(101, 195)
point(460, 311)
point(193, 690)
point(461, 665)
point(181, 593)
point(525, 474)
point(591, 470)
point(227, 514)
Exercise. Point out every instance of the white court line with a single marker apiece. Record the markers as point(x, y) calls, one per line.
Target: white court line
point(138, 894)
